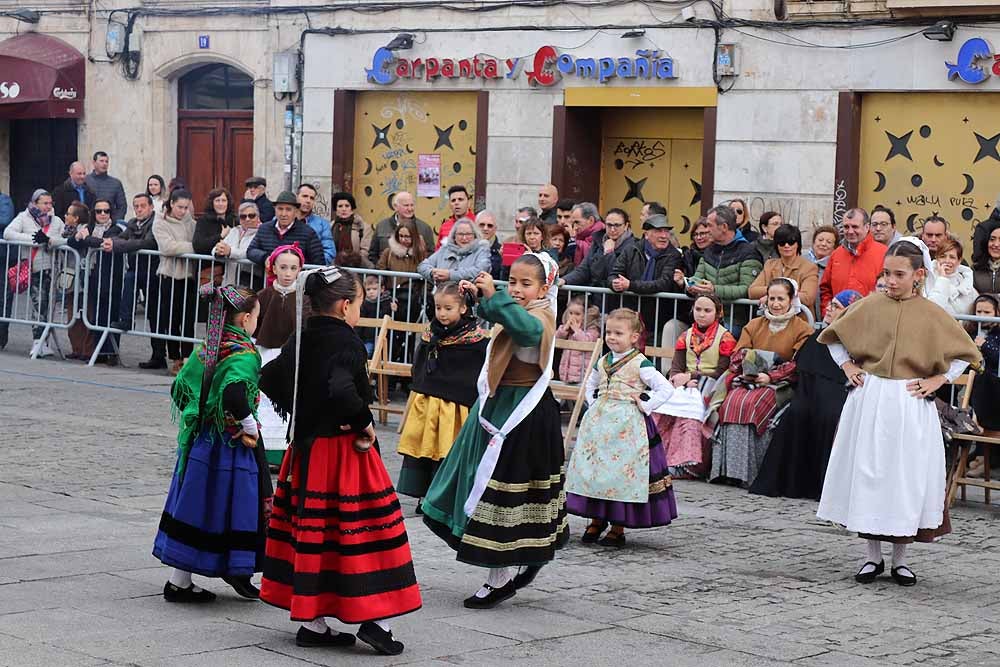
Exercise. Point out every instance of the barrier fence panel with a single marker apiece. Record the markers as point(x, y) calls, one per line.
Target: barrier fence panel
point(48, 300)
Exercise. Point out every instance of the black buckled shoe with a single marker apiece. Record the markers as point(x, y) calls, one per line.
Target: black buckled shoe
point(868, 577)
point(156, 363)
point(243, 587)
point(613, 538)
point(526, 575)
point(173, 593)
point(903, 576)
point(496, 596)
point(309, 639)
point(593, 533)
point(379, 639)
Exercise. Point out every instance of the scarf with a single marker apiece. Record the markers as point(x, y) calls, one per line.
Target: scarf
point(197, 390)
point(342, 229)
point(464, 332)
point(702, 340)
point(776, 323)
point(41, 219)
point(652, 254)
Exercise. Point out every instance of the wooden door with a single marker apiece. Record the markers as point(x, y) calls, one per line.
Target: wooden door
point(215, 149)
point(41, 151)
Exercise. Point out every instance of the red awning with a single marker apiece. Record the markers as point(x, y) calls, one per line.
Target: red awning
point(40, 77)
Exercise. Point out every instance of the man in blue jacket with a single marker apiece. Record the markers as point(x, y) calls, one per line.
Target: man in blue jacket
point(307, 203)
point(285, 230)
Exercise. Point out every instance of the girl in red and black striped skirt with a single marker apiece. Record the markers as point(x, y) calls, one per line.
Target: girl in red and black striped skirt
point(336, 543)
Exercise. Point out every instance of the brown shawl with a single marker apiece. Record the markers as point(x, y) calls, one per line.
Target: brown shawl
point(901, 340)
point(503, 365)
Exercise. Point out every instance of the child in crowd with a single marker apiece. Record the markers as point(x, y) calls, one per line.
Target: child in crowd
point(951, 285)
point(581, 329)
point(701, 355)
point(445, 369)
point(214, 518)
point(986, 387)
point(378, 303)
point(277, 323)
point(618, 472)
point(497, 498)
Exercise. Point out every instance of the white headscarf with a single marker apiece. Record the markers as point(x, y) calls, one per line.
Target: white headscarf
point(928, 265)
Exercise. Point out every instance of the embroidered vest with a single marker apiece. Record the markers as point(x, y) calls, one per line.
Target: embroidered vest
point(620, 381)
point(708, 362)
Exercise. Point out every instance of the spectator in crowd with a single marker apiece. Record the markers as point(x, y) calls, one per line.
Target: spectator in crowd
point(74, 188)
point(174, 232)
point(157, 191)
point(580, 323)
point(523, 214)
point(986, 257)
point(36, 225)
point(743, 223)
point(753, 399)
point(789, 264)
point(564, 215)
point(856, 264)
point(105, 284)
point(404, 208)
point(7, 211)
point(558, 244)
point(769, 222)
point(534, 236)
point(404, 254)
point(464, 257)
point(235, 245)
point(729, 266)
point(461, 208)
point(586, 220)
point(176, 183)
point(824, 241)
point(656, 208)
point(350, 232)
point(884, 226)
point(81, 341)
point(141, 274)
point(701, 238)
point(608, 246)
point(986, 388)
point(286, 229)
point(951, 286)
point(306, 195)
point(107, 187)
point(934, 233)
point(487, 223)
point(217, 217)
point(548, 197)
point(256, 191)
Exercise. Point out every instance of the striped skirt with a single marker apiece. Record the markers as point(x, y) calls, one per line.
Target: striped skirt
point(336, 543)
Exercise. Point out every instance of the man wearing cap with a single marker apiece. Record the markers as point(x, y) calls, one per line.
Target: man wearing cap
point(647, 267)
point(257, 193)
point(284, 230)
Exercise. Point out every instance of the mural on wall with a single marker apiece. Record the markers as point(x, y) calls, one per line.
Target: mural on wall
point(398, 134)
point(652, 155)
point(926, 154)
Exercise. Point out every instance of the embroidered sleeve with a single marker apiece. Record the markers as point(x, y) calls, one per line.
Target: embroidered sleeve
point(783, 372)
point(727, 345)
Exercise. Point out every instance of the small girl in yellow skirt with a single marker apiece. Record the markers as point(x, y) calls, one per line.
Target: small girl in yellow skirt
point(445, 369)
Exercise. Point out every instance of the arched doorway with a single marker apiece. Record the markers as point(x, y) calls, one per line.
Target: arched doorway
point(215, 130)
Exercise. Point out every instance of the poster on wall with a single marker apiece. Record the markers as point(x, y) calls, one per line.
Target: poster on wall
point(429, 175)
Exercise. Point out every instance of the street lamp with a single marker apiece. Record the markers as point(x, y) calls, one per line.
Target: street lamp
point(24, 15)
point(942, 31)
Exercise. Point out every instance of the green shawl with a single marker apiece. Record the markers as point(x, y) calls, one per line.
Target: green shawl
point(238, 361)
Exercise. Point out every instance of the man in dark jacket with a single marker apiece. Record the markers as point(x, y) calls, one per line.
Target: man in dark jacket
point(257, 193)
point(285, 230)
point(404, 207)
point(107, 187)
point(487, 223)
point(608, 245)
point(73, 189)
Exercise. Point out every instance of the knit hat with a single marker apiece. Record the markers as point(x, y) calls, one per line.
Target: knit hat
point(847, 297)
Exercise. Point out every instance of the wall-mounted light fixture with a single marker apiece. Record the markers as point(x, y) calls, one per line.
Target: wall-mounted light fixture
point(400, 42)
point(24, 15)
point(942, 31)
point(633, 33)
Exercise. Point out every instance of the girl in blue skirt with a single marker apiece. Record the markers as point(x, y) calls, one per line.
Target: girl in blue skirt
point(214, 519)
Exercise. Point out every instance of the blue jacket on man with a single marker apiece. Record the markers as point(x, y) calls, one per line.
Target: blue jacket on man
point(321, 226)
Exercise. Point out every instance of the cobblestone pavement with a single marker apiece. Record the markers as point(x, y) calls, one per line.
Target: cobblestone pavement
point(736, 580)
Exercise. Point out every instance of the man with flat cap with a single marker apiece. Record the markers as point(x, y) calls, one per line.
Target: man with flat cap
point(257, 193)
point(286, 229)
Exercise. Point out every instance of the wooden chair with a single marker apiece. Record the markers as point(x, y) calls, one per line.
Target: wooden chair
point(965, 442)
point(382, 367)
point(575, 392)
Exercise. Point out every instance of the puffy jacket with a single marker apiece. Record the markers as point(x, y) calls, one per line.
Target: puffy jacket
point(986, 281)
point(632, 263)
point(23, 228)
point(267, 241)
point(858, 271)
point(573, 362)
point(731, 268)
point(464, 263)
point(596, 267)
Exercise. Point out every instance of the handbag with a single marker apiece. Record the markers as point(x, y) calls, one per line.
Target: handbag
point(19, 275)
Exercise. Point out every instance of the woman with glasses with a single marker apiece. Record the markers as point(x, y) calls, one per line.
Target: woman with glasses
point(769, 223)
point(464, 257)
point(234, 248)
point(743, 225)
point(788, 264)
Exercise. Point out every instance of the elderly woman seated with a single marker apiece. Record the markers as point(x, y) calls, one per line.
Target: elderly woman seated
point(464, 256)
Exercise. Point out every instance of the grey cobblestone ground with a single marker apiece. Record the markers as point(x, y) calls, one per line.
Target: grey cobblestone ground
point(736, 580)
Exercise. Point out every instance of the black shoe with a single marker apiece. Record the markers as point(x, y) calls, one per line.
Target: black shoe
point(379, 639)
point(526, 576)
point(869, 577)
point(420, 509)
point(309, 639)
point(903, 576)
point(123, 325)
point(593, 533)
point(243, 587)
point(108, 360)
point(3, 337)
point(155, 363)
point(613, 539)
point(172, 593)
point(496, 596)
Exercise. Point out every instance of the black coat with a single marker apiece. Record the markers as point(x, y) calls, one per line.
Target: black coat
point(105, 283)
point(208, 232)
point(595, 269)
point(65, 194)
point(632, 263)
point(265, 208)
point(334, 389)
point(267, 241)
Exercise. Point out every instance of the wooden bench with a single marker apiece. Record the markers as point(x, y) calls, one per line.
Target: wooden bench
point(965, 442)
point(563, 391)
point(382, 367)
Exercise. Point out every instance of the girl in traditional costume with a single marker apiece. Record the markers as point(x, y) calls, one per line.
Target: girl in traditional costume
point(701, 355)
point(618, 472)
point(886, 476)
point(498, 497)
point(445, 369)
point(336, 543)
point(277, 324)
point(214, 518)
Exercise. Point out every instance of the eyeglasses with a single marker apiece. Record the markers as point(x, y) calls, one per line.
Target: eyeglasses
point(702, 234)
point(786, 243)
point(614, 226)
point(105, 211)
point(880, 225)
point(248, 216)
point(522, 220)
point(484, 225)
point(464, 234)
point(738, 211)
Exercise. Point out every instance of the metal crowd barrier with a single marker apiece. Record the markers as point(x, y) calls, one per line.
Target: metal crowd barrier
point(52, 298)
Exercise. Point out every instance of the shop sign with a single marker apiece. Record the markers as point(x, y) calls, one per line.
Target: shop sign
point(545, 68)
point(9, 89)
point(64, 93)
point(974, 62)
